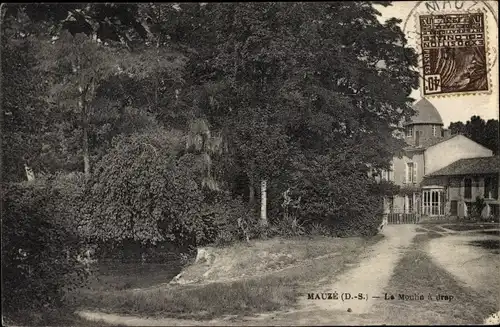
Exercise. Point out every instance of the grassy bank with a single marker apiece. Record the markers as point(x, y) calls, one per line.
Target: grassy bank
point(272, 290)
point(469, 226)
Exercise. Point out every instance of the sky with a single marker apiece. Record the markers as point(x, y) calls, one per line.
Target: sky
point(454, 108)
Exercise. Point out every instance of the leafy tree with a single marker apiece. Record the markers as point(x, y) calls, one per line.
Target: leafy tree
point(280, 62)
point(24, 119)
point(90, 60)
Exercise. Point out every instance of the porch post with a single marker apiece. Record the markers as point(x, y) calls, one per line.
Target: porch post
point(422, 203)
point(439, 202)
point(414, 203)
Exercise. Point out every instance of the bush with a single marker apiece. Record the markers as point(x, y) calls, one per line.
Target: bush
point(477, 208)
point(145, 190)
point(340, 196)
point(227, 220)
point(66, 196)
point(38, 253)
point(318, 229)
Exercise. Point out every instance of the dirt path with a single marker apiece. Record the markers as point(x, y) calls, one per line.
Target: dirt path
point(472, 265)
point(369, 277)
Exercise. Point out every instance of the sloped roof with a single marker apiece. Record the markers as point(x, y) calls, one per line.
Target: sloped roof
point(427, 143)
point(426, 114)
point(471, 166)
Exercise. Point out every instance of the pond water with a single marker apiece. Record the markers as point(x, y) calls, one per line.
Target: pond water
point(134, 267)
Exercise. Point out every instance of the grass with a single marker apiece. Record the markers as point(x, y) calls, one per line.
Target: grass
point(433, 227)
point(262, 256)
point(425, 278)
point(464, 227)
point(273, 290)
point(216, 299)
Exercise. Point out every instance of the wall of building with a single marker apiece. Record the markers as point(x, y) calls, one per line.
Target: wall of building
point(426, 133)
point(455, 189)
point(399, 168)
point(456, 148)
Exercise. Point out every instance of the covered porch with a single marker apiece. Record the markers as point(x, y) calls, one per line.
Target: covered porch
point(433, 201)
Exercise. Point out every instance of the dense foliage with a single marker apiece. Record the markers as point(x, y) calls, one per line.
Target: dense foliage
point(39, 255)
point(155, 122)
point(145, 190)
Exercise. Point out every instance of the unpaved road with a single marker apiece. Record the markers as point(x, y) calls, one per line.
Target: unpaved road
point(372, 273)
point(370, 277)
point(474, 266)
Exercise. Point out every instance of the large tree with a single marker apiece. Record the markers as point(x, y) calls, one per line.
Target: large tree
point(327, 78)
point(98, 64)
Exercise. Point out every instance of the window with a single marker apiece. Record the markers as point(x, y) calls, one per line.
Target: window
point(411, 172)
point(409, 131)
point(433, 203)
point(467, 188)
point(434, 130)
point(487, 187)
point(490, 188)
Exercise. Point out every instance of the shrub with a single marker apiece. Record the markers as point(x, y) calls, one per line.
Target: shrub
point(340, 195)
point(145, 190)
point(38, 253)
point(227, 219)
point(66, 196)
point(477, 208)
point(318, 229)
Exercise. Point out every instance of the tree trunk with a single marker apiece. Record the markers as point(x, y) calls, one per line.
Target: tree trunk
point(251, 191)
point(85, 127)
point(82, 106)
point(263, 203)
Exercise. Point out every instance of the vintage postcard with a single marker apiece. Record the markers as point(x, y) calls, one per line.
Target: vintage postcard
point(250, 163)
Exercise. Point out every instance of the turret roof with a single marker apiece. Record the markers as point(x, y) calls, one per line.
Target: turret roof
point(426, 114)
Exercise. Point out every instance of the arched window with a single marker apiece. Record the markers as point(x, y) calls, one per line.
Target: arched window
point(467, 188)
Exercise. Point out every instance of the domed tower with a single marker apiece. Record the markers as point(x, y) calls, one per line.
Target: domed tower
point(426, 126)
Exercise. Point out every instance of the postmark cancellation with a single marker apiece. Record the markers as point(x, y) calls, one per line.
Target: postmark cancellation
point(454, 53)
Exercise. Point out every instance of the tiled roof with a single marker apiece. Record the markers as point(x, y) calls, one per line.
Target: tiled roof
point(426, 113)
point(472, 166)
point(428, 143)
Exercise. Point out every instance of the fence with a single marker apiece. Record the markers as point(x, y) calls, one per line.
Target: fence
point(403, 218)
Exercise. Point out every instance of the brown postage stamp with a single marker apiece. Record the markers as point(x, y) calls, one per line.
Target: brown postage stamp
point(454, 53)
